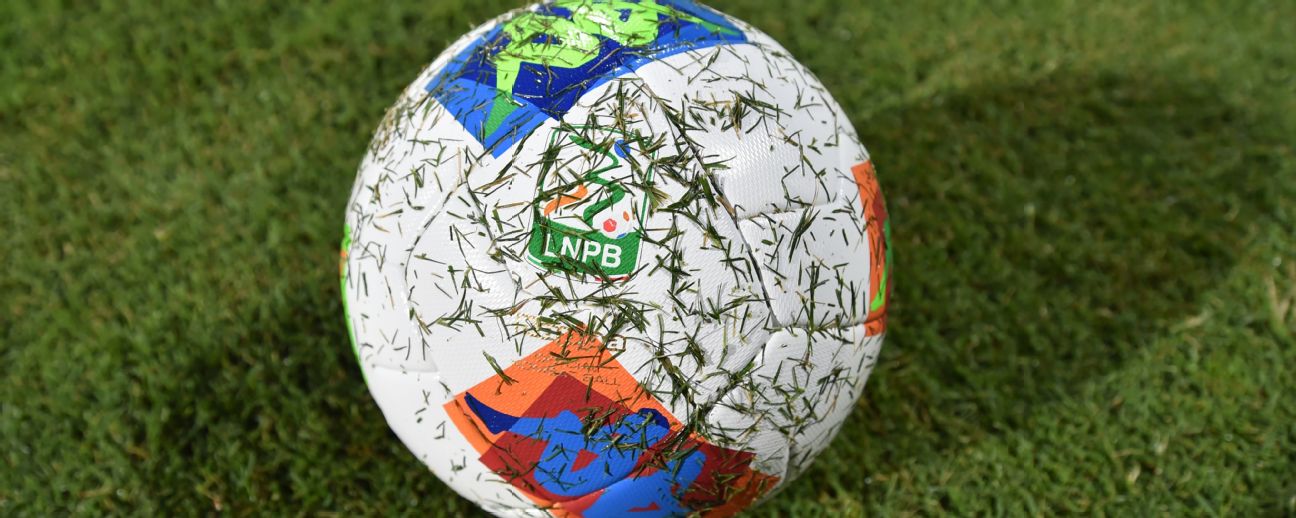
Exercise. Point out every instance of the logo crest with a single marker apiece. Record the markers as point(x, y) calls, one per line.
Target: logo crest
point(585, 219)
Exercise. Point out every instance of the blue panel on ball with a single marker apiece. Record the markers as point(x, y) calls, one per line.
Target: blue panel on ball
point(501, 90)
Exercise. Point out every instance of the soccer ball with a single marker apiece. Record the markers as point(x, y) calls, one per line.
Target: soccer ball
point(616, 257)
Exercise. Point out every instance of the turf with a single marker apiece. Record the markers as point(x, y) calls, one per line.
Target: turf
point(1093, 206)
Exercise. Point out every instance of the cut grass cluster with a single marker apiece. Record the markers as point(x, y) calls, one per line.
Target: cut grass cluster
point(1093, 207)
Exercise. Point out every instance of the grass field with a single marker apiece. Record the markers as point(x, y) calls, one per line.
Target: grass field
point(1094, 210)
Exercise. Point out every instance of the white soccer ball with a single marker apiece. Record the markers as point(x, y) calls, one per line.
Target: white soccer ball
point(606, 257)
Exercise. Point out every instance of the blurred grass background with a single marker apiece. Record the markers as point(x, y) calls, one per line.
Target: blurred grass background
point(1094, 209)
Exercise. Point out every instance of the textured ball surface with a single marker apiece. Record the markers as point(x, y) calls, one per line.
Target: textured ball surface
point(614, 257)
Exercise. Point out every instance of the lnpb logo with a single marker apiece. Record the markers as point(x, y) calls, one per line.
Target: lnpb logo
point(536, 65)
point(572, 430)
point(584, 218)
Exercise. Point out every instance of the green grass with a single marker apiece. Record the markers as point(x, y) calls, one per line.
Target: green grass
point(1094, 211)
